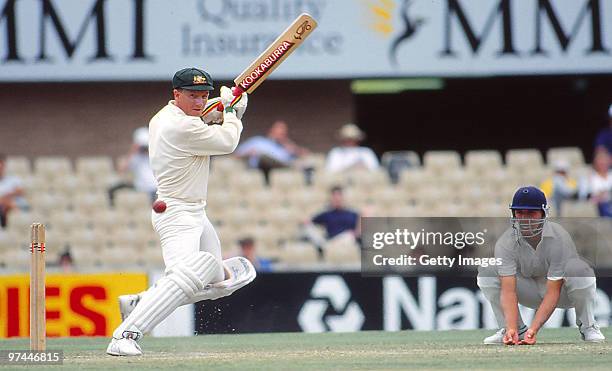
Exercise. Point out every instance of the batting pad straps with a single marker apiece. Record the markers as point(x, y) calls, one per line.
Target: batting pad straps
point(191, 275)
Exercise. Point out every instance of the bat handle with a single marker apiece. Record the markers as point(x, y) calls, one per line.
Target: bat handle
point(236, 90)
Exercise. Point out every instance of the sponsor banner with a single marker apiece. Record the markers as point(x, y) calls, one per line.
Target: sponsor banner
point(90, 40)
point(314, 302)
point(76, 304)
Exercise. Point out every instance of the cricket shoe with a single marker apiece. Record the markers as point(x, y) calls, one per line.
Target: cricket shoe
point(127, 303)
point(592, 334)
point(498, 337)
point(123, 347)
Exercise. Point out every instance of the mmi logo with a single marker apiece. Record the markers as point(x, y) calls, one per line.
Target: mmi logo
point(12, 22)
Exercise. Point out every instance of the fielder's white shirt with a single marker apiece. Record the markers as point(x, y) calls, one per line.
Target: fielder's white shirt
point(180, 147)
point(549, 259)
point(347, 158)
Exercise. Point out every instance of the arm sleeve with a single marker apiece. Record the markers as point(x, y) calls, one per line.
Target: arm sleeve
point(333, 163)
point(508, 258)
point(201, 139)
point(370, 159)
point(319, 218)
point(558, 257)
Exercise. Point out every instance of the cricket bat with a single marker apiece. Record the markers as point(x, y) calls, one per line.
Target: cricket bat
point(259, 70)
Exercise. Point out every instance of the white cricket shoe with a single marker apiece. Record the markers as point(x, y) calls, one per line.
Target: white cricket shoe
point(498, 337)
point(127, 303)
point(592, 334)
point(123, 347)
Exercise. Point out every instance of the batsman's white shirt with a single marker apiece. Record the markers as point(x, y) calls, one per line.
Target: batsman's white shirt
point(180, 147)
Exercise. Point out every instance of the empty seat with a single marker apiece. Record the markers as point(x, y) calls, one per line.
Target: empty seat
point(132, 201)
point(579, 209)
point(368, 179)
point(572, 155)
point(90, 202)
point(95, 167)
point(521, 158)
point(227, 165)
point(52, 166)
point(18, 166)
point(299, 254)
point(440, 161)
point(287, 179)
point(483, 161)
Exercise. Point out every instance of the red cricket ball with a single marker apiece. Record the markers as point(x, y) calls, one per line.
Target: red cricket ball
point(159, 206)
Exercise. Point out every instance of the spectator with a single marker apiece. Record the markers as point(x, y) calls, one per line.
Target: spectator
point(11, 193)
point(338, 222)
point(599, 184)
point(137, 162)
point(603, 141)
point(560, 186)
point(349, 155)
point(66, 262)
point(275, 150)
point(247, 250)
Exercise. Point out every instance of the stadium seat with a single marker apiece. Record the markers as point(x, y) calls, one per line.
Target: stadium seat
point(299, 254)
point(90, 202)
point(483, 161)
point(246, 180)
point(287, 179)
point(131, 201)
point(18, 166)
point(98, 167)
point(438, 162)
point(579, 209)
point(227, 165)
point(524, 158)
point(51, 167)
point(342, 251)
point(573, 155)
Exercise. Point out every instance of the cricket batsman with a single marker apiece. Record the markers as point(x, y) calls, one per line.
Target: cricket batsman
point(540, 269)
point(180, 147)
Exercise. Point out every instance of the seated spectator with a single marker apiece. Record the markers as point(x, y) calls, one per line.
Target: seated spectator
point(338, 222)
point(603, 141)
point(560, 186)
point(598, 185)
point(275, 150)
point(137, 162)
point(247, 250)
point(349, 155)
point(11, 193)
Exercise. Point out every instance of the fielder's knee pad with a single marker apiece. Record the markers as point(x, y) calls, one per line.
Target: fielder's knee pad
point(194, 273)
point(487, 277)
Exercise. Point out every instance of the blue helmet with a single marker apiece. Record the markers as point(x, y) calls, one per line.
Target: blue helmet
point(529, 198)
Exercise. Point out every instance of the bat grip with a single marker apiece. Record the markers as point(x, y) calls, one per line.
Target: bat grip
point(236, 90)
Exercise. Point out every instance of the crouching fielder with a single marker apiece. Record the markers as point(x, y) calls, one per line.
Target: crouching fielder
point(180, 147)
point(539, 269)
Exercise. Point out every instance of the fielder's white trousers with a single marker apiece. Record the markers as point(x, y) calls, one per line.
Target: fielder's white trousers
point(183, 230)
point(576, 292)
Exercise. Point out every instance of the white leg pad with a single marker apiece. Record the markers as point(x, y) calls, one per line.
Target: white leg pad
point(239, 272)
point(180, 284)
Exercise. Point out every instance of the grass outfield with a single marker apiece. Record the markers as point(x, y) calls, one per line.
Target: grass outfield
point(556, 349)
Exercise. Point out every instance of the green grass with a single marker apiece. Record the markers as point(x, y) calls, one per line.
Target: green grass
point(556, 349)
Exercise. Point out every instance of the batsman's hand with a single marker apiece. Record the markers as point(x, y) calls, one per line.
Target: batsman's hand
point(511, 337)
point(238, 103)
point(530, 338)
point(212, 115)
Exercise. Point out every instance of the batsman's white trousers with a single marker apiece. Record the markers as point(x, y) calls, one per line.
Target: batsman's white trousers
point(577, 292)
point(183, 230)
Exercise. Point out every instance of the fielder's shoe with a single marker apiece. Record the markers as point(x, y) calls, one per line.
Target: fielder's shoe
point(123, 347)
point(592, 334)
point(127, 303)
point(498, 337)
